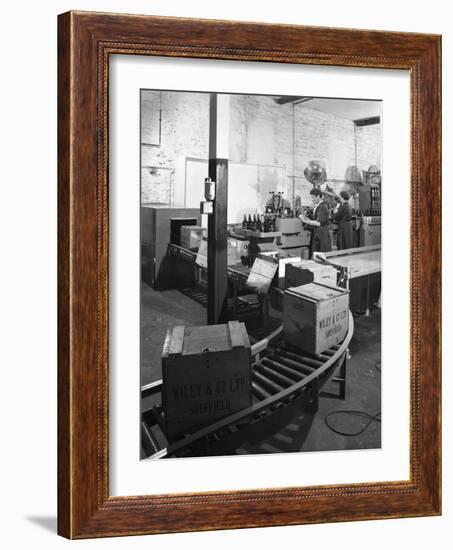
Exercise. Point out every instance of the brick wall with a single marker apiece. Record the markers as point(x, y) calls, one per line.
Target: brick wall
point(261, 133)
point(184, 132)
point(368, 143)
point(323, 137)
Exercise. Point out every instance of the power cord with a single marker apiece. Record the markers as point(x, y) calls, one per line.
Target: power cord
point(376, 417)
point(371, 418)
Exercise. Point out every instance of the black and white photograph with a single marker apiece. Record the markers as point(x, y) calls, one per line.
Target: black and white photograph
point(260, 310)
point(220, 330)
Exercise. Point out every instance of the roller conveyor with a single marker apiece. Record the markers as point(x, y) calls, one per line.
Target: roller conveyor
point(280, 375)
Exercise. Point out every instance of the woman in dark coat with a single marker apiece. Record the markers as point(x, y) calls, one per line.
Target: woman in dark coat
point(320, 239)
point(343, 218)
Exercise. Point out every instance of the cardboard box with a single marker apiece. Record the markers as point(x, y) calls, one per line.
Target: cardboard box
point(308, 271)
point(206, 375)
point(315, 316)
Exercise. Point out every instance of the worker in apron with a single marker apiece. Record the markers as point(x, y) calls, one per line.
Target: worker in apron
point(320, 238)
point(343, 217)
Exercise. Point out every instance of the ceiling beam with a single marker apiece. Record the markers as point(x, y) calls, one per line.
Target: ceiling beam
point(368, 121)
point(283, 100)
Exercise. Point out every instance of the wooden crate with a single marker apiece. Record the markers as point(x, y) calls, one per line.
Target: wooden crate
point(307, 271)
point(262, 274)
point(192, 235)
point(233, 253)
point(315, 316)
point(206, 375)
point(282, 258)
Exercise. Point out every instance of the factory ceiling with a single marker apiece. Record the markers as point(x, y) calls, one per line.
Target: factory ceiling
point(356, 110)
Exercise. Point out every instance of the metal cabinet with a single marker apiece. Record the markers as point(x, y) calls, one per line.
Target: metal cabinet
point(158, 227)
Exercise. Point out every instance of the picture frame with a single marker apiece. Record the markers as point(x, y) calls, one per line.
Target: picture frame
point(85, 42)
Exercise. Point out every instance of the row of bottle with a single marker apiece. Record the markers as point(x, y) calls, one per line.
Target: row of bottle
point(260, 224)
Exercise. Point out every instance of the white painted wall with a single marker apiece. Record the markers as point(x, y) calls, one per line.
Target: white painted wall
point(262, 134)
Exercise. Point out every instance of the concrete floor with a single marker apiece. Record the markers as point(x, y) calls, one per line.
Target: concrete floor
point(296, 429)
point(302, 430)
point(160, 311)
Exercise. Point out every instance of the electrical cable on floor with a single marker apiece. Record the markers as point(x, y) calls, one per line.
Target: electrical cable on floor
point(376, 417)
point(371, 418)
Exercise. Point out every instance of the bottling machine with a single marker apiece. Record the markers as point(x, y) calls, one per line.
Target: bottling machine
point(370, 207)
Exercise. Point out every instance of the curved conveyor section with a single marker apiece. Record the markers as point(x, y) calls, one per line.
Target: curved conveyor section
point(280, 374)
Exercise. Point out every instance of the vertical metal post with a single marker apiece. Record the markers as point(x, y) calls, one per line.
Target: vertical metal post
point(367, 313)
point(217, 221)
point(342, 374)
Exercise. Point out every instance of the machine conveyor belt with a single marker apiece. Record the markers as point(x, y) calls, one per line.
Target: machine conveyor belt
point(281, 374)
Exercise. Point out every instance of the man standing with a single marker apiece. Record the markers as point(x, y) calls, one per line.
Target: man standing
point(320, 239)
